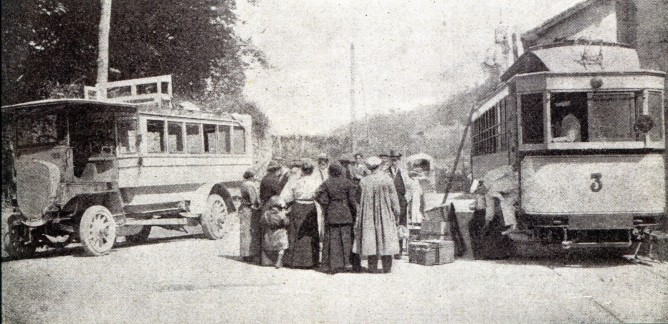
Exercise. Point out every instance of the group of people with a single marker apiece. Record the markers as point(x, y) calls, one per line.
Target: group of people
point(328, 214)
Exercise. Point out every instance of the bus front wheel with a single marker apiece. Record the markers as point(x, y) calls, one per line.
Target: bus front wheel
point(97, 230)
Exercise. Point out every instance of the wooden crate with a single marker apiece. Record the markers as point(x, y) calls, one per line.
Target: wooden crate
point(421, 253)
point(445, 250)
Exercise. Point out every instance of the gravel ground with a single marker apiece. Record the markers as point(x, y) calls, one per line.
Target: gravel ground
point(177, 277)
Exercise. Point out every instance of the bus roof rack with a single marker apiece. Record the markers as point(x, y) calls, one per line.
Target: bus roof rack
point(152, 90)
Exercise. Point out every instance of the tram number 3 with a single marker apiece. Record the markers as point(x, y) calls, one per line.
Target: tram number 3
point(596, 184)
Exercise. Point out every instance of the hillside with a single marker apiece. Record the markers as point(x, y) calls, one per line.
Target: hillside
point(433, 129)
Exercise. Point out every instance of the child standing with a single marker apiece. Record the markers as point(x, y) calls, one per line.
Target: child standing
point(275, 222)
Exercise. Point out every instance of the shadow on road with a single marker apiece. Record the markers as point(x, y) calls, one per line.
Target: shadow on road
point(77, 250)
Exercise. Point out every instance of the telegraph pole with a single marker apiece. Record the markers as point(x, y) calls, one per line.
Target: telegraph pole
point(352, 97)
point(103, 47)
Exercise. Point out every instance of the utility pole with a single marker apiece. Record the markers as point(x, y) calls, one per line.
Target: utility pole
point(352, 97)
point(103, 48)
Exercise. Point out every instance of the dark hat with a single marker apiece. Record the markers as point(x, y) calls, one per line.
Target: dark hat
point(249, 174)
point(273, 166)
point(391, 154)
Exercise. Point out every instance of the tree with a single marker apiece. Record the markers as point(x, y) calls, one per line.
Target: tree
point(51, 43)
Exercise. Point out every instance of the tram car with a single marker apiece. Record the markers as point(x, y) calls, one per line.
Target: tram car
point(570, 146)
point(90, 170)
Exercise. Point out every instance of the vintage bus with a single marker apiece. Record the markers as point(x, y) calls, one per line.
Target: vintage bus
point(91, 170)
point(572, 143)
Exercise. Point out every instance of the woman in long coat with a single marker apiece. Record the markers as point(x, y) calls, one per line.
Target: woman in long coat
point(377, 216)
point(250, 233)
point(303, 235)
point(337, 197)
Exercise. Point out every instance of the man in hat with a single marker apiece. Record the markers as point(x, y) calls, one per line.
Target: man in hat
point(358, 169)
point(272, 184)
point(323, 165)
point(347, 162)
point(375, 231)
point(400, 180)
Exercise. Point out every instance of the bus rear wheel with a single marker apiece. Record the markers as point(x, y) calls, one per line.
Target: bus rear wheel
point(141, 236)
point(97, 230)
point(213, 219)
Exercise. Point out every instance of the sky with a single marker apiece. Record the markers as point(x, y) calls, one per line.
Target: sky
point(407, 53)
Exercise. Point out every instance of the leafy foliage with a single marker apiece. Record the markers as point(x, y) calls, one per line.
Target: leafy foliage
point(50, 44)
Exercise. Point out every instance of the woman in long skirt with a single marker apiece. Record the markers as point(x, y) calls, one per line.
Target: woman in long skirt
point(250, 233)
point(337, 196)
point(303, 229)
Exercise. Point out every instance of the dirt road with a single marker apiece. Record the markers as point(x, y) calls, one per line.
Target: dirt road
point(187, 278)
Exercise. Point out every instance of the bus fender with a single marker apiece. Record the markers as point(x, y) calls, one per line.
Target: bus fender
point(198, 199)
point(109, 199)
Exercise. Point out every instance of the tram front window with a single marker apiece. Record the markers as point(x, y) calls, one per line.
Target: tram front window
point(594, 117)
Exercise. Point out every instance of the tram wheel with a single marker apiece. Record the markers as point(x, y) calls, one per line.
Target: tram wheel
point(213, 219)
point(97, 230)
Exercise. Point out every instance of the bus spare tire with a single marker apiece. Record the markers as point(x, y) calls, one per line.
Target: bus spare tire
point(97, 230)
point(213, 218)
point(141, 236)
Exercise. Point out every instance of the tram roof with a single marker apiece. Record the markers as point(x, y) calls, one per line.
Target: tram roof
point(575, 57)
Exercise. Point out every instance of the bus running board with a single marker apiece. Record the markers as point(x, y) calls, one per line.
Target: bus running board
point(162, 221)
point(571, 244)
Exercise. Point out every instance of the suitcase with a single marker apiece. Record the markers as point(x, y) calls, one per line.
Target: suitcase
point(421, 253)
point(435, 227)
point(445, 250)
point(424, 237)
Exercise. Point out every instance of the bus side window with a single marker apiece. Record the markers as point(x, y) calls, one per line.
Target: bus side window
point(224, 139)
point(175, 137)
point(155, 136)
point(210, 139)
point(127, 136)
point(239, 140)
point(193, 138)
point(532, 118)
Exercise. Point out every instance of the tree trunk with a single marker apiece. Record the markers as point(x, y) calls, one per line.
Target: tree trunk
point(103, 47)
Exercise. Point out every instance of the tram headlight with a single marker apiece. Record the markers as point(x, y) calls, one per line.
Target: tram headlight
point(596, 83)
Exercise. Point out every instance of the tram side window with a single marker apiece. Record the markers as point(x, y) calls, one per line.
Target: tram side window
point(193, 138)
point(487, 128)
point(239, 140)
point(656, 112)
point(224, 139)
point(175, 137)
point(155, 136)
point(210, 139)
point(127, 136)
point(532, 118)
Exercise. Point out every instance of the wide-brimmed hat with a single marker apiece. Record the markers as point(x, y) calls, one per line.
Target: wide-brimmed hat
point(392, 154)
point(373, 162)
point(322, 156)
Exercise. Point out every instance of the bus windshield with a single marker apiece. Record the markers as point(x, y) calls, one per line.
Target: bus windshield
point(34, 130)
